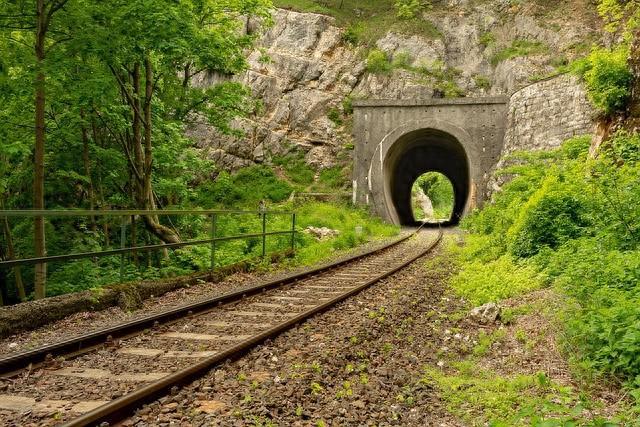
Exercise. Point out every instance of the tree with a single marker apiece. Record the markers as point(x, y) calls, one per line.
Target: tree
point(103, 94)
point(20, 16)
point(153, 49)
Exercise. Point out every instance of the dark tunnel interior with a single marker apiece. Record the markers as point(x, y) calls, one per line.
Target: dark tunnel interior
point(421, 151)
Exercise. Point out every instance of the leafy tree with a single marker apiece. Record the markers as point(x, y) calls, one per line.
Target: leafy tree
point(100, 99)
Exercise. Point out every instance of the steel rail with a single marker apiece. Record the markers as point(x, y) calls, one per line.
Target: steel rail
point(148, 248)
point(117, 409)
point(85, 343)
point(30, 213)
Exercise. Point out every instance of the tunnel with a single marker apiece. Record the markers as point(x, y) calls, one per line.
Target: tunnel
point(418, 152)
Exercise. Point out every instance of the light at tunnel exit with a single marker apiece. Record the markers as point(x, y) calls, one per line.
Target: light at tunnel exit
point(432, 198)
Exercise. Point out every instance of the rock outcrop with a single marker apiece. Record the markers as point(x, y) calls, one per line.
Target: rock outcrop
point(302, 70)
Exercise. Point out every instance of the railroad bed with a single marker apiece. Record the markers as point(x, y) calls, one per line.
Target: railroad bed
point(106, 382)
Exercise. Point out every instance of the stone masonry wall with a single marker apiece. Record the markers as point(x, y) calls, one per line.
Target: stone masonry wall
point(542, 115)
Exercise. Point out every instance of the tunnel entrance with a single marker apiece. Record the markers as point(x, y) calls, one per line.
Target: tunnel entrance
point(432, 198)
point(418, 152)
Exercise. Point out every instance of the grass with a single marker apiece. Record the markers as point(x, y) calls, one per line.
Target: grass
point(481, 282)
point(365, 21)
point(483, 397)
point(296, 169)
point(518, 48)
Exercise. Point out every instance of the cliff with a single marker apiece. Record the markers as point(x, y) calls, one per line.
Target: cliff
point(305, 72)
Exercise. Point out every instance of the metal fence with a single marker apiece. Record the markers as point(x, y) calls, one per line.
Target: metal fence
point(130, 215)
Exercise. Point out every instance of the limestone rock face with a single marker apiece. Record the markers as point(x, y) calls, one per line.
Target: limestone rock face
point(302, 70)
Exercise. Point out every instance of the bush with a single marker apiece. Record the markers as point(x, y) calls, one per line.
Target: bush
point(378, 63)
point(353, 33)
point(335, 116)
point(296, 168)
point(548, 219)
point(402, 59)
point(608, 78)
point(408, 9)
point(482, 82)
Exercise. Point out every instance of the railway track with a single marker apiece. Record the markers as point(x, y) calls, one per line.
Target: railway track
point(104, 375)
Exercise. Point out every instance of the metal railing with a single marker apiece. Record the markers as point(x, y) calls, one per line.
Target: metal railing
point(127, 215)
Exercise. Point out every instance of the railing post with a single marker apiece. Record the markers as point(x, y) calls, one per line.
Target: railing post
point(213, 241)
point(293, 232)
point(264, 234)
point(123, 236)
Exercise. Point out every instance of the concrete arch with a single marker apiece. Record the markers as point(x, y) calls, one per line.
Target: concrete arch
point(420, 146)
point(462, 137)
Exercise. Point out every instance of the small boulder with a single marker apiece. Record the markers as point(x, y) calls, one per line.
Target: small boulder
point(485, 314)
point(321, 232)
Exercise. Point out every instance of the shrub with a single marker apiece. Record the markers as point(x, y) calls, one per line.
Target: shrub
point(378, 63)
point(402, 59)
point(296, 168)
point(353, 33)
point(347, 105)
point(408, 9)
point(335, 116)
point(487, 39)
point(576, 220)
point(548, 219)
point(608, 78)
point(332, 178)
point(482, 82)
point(256, 181)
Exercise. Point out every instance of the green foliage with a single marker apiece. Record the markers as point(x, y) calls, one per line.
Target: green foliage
point(480, 282)
point(439, 190)
point(378, 62)
point(332, 178)
point(571, 222)
point(347, 105)
point(519, 47)
point(487, 39)
point(353, 33)
point(549, 218)
point(296, 169)
point(408, 9)
point(607, 77)
point(402, 59)
point(335, 116)
point(483, 397)
point(620, 16)
point(482, 82)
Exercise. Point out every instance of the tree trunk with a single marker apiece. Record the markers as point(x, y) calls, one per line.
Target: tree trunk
point(87, 170)
point(134, 240)
point(11, 254)
point(152, 222)
point(634, 65)
point(38, 163)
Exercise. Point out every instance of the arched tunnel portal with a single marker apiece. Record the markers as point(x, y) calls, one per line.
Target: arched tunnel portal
point(418, 152)
point(398, 140)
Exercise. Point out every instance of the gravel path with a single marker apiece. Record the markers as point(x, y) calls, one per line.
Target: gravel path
point(84, 322)
point(357, 364)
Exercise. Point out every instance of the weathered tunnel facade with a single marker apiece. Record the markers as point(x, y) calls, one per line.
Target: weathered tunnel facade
point(397, 141)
